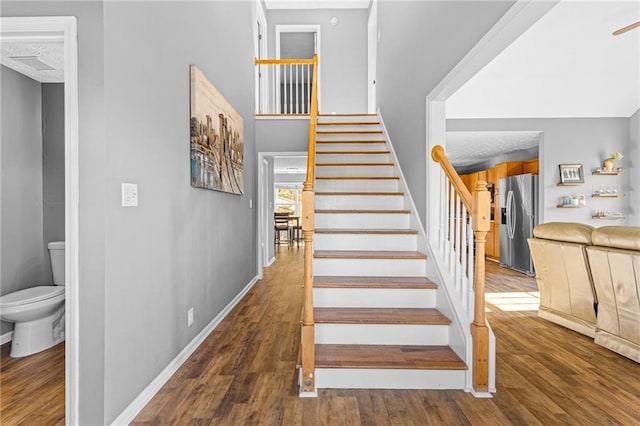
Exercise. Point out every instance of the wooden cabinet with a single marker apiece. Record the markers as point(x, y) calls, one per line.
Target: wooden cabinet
point(491, 246)
point(531, 166)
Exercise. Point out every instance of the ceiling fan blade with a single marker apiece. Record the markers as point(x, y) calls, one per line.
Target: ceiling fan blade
point(627, 28)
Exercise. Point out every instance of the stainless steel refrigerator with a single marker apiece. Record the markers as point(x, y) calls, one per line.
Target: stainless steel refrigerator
point(518, 216)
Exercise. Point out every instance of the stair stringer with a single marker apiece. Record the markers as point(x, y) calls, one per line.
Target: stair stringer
point(459, 335)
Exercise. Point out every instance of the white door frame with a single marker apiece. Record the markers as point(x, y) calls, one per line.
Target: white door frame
point(264, 221)
point(372, 55)
point(64, 27)
point(261, 47)
point(303, 29)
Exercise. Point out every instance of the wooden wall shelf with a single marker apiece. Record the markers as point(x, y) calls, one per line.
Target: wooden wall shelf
point(603, 173)
point(607, 217)
point(562, 206)
point(606, 195)
point(571, 184)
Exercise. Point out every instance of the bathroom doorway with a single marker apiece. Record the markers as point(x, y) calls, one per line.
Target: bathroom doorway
point(61, 33)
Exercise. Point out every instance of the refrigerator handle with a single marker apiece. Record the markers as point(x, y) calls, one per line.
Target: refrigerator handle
point(508, 203)
point(512, 206)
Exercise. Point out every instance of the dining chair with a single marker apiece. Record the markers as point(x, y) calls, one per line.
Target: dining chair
point(281, 224)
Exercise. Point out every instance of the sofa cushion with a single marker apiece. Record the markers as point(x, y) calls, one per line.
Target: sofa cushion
point(564, 231)
point(623, 237)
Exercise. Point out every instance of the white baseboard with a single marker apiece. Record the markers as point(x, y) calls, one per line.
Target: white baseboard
point(149, 392)
point(273, 259)
point(6, 337)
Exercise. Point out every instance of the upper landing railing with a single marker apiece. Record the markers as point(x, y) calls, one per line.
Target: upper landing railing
point(464, 218)
point(285, 86)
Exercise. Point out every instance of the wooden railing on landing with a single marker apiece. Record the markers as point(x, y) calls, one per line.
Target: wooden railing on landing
point(285, 86)
point(308, 225)
point(465, 217)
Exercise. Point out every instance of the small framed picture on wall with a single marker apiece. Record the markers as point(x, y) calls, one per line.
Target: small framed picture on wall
point(571, 173)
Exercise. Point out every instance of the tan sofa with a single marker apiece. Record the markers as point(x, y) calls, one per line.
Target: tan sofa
point(567, 296)
point(589, 281)
point(614, 258)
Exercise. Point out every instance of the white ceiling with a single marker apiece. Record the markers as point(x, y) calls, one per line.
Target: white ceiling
point(566, 65)
point(286, 164)
point(468, 148)
point(316, 4)
point(49, 52)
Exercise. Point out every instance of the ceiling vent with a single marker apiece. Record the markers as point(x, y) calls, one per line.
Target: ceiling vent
point(33, 62)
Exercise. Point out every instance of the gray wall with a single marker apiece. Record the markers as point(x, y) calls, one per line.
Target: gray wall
point(420, 42)
point(23, 260)
point(634, 168)
point(278, 135)
point(586, 141)
point(182, 247)
point(52, 168)
point(141, 268)
point(92, 194)
point(343, 55)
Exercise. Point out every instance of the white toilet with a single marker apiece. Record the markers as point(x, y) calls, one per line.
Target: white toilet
point(38, 312)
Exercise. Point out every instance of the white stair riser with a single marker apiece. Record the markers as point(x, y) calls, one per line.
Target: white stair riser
point(381, 334)
point(348, 127)
point(351, 147)
point(362, 220)
point(386, 170)
point(360, 378)
point(370, 267)
point(403, 242)
point(374, 298)
point(347, 136)
point(352, 158)
point(359, 202)
point(347, 118)
point(357, 185)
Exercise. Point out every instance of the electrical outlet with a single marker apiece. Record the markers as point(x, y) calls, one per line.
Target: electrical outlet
point(189, 317)
point(129, 195)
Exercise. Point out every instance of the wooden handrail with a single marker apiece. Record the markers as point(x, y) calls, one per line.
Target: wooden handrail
point(479, 206)
point(312, 61)
point(438, 155)
point(308, 225)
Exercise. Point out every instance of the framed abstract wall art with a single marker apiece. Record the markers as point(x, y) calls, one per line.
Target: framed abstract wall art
point(217, 145)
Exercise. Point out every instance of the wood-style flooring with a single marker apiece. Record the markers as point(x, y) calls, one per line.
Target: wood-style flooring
point(32, 388)
point(243, 374)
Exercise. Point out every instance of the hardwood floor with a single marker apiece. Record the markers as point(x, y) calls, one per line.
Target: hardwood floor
point(32, 388)
point(244, 372)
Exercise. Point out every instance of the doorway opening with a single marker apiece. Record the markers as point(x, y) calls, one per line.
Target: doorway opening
point(62, 30)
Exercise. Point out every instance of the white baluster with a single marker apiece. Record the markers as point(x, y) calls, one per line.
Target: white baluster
point(297, 89)
point(452, 221)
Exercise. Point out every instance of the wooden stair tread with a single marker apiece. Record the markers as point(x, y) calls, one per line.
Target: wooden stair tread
point(353, 164)
point(363, 211)
point(359, 193)
point(415, 316)
point(367, 254)
point(373, 282)
point(347, 115)
point(388, 357)
point(349, 132)
point(354, 141)
point(352, 152)
point(358, 177)
point(349, 123)
point(364, 231)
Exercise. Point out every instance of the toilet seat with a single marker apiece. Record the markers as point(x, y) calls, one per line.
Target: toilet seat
point(30, 295)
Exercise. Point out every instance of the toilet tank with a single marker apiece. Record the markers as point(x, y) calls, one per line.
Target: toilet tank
point(56, 253)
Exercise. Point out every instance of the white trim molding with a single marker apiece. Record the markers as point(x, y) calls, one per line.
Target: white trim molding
point(156, 384)
point(6, 337)
point(66, 26)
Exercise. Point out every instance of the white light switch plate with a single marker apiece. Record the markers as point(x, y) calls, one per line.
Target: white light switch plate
point(129, 195)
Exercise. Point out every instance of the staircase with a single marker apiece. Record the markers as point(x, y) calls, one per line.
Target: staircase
point(377, 322)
